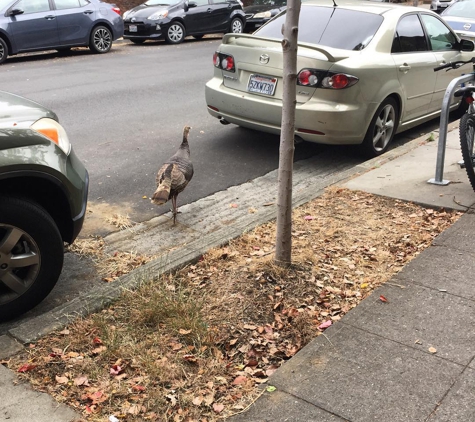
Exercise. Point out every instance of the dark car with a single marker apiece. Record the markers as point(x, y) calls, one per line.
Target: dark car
point(173, 21)
point(461, 18)
point(38, 25)
point(43, 195)
point(258, 12)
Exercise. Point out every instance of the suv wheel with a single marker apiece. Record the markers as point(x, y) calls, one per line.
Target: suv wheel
point(31, 255)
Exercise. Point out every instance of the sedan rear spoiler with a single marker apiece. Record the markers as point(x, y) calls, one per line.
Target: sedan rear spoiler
point(227, 38)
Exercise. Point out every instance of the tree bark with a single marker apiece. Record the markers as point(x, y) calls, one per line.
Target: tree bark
point(283, 248)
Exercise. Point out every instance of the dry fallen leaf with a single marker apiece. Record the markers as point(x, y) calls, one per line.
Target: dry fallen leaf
point(218, 407)
point(432, 350)
point(383, 299)
point(26, 367)
point(241, 379)
point(81, 380)
point(62, 380)
point(325, 324)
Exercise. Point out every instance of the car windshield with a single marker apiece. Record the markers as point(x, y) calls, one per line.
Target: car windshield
point(465, 9)
point(159, 2)
point(5, 3)
point(330, 27)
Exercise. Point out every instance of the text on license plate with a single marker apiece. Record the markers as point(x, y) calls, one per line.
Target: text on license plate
point(262, 84)
point(132, 28)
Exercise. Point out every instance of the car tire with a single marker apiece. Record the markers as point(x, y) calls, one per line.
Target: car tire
point(29, 239)
point(175, 33)
point(382, 129)
point(3, 51)
point(138, 40)
point(236, 26)
point(198, 37)
point(100, 41)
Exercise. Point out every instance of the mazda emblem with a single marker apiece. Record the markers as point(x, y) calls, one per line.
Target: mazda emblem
point(264, 59)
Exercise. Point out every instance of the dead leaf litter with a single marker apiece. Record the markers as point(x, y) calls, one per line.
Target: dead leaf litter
point(196, 345)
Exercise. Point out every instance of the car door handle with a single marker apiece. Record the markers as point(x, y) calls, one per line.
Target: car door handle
point(404, 68)
point(209, 10)
point(88, 12)
point(50, 17)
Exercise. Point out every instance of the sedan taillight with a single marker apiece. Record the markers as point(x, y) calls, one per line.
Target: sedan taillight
point(323, 79)
point(116, 10)
point(224, 62)
point(339, 81)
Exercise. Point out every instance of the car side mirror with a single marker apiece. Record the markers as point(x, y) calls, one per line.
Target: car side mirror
point(467, 45)
point(15, 12)
point(192, 4)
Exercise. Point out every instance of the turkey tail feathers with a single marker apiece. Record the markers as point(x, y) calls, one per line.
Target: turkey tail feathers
point(164, 182)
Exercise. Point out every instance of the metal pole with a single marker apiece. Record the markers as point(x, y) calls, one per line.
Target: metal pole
point(444, 122)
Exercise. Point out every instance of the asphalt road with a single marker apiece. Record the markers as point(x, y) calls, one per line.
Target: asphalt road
point(124, 113)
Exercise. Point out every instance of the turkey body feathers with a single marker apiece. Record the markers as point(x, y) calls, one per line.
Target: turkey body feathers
point(174, 175)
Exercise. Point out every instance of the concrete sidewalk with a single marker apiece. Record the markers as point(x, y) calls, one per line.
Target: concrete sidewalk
point(375, 363)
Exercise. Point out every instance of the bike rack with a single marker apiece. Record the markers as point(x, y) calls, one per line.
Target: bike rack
point(444, 122)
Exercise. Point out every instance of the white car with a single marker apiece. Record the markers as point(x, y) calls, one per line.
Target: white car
point(365, 73)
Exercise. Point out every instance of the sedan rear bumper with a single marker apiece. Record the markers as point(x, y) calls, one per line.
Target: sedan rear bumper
point(316, 120)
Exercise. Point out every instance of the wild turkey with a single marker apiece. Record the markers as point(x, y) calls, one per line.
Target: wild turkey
point(174, 175)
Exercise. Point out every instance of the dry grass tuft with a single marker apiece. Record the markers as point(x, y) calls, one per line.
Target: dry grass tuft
point(194, 346)
point(109, 266)
point(120, 221)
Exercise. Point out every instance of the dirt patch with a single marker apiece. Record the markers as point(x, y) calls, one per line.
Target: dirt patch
point(196, 345)
point(103, 218)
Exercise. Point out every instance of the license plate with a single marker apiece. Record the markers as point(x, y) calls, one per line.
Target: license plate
point(132, 28)
point(261, 84)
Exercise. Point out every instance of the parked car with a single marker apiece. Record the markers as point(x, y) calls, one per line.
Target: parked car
point(173, 21)
point(365, 73)
point(440, 5)
point(43, 194)
point(39, 25)
point(461, 18)
point(260, 11)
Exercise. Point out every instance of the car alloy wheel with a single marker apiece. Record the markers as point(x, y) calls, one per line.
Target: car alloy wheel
point(175, 33)
point(101, 40)
point(381, 129)
point(31, 255)
point(236, 26)
point(3, 51)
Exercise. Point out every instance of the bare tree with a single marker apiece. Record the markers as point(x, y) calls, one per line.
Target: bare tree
point(283, 249)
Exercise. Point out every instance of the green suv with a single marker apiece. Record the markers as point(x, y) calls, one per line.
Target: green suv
point(43, 196)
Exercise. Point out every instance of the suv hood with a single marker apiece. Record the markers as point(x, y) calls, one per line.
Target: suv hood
point(19, 112)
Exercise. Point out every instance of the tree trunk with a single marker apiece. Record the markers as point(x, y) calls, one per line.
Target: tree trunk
point(283, 247)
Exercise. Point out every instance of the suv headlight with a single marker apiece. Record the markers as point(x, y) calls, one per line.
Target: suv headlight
point(52, 130)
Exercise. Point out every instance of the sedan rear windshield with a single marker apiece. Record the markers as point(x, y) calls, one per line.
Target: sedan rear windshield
point(330, 27)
